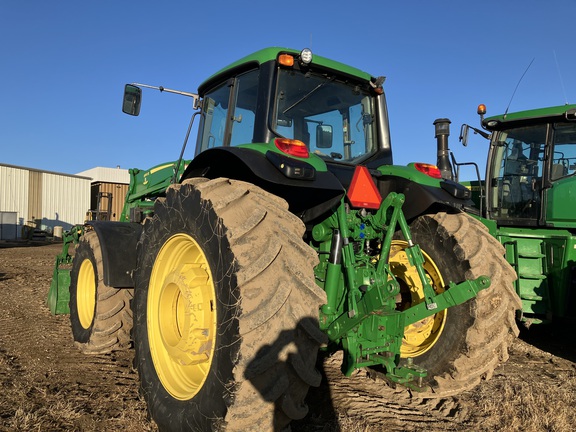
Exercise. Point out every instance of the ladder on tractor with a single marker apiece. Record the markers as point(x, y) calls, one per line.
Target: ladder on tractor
point(528, 257)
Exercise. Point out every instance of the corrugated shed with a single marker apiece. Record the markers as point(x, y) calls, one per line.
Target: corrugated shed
point(107, 175)
point(65, 200)
point(43, 199)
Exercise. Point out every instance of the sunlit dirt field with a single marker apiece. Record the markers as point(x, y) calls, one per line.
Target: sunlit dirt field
point(46, 384)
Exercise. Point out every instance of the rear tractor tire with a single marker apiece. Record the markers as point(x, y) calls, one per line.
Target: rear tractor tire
point(100, 315)
point(225, 310)
point(462, 345)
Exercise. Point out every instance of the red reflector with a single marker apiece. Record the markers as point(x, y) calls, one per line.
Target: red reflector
point(292, 147)
point(428, 169)
point(363, 191)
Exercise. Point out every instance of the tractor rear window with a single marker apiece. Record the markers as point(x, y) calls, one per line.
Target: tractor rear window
point(334, 119)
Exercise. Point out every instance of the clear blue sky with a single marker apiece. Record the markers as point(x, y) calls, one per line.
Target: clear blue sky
point(63, 65)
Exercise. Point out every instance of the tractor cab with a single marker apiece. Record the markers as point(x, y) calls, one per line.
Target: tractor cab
point(530, 169)
point(302, 108)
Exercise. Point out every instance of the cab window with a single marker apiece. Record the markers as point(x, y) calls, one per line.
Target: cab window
point(228, 113)
point(564, 154)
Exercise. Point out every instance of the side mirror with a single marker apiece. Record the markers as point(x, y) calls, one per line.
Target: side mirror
point(464, 135)
point(132, 100)
point(323, 136)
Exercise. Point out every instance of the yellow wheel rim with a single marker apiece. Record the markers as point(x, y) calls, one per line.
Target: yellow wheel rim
point(86, 294)
point(181, 316)
point(423, 335)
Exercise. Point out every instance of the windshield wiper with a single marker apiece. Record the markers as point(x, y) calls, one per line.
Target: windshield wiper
point(307, 95)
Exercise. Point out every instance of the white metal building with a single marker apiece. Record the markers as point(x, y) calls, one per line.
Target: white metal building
point(107, 175)
point(40, 199)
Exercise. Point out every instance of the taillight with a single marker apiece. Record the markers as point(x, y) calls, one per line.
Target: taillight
point(363, 192)
point(292, 147)
point(429, 170)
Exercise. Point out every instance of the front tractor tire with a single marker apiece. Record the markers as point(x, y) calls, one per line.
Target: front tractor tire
point(462, 345)
point(100, 315)
point(225, 310)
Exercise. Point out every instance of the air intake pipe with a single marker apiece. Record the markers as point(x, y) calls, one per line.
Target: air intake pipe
point(442, 132)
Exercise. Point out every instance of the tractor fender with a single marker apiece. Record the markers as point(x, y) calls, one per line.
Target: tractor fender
point(443, 195)
point(308, 191)
point(118, 245)
point(421, 198)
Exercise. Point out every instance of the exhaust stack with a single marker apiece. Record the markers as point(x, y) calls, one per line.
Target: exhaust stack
point(442, 131)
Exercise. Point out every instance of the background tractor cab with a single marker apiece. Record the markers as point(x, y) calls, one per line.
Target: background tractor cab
point(530, 167)
point(527, 201)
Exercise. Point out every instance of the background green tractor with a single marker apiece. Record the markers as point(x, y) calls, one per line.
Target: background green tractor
point(528, 202)
point(144, 188)
point(291, 231)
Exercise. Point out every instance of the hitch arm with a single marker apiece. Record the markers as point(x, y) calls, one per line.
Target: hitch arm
point(455, 295)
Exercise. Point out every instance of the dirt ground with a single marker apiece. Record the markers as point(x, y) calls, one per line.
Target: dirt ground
point(46, 384)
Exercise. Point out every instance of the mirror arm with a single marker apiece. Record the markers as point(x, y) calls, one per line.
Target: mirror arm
point(482, 133)
point(464, 134)
point(195, 96)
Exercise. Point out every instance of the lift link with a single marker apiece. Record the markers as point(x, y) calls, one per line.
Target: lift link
point(416, 259)
point(413, 252)
point(349, 261)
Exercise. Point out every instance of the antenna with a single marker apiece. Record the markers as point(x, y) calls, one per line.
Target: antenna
point(561, 80)
point(520, 80)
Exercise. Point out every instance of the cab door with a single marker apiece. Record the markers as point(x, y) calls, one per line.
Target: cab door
point(516, 175)
point(560, 191)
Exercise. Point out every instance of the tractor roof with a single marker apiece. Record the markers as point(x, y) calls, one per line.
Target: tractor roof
point(543, 114)
point(271, 53)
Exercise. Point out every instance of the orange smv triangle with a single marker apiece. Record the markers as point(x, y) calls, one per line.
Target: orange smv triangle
point(363, 191)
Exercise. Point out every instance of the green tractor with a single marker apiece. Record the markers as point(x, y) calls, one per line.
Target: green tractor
point(527, 202)
point(144, 188)
point(291, 231)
